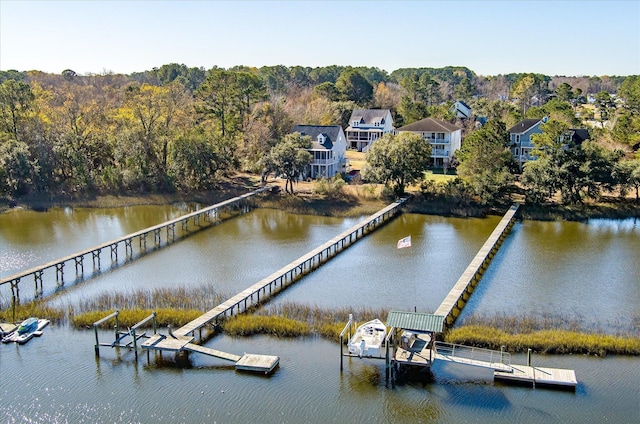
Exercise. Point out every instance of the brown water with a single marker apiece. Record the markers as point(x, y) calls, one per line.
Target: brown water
point(586, 269)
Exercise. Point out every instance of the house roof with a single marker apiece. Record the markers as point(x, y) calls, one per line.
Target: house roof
point(464, 104)
point(369, 116)
point(415, 321)
point(524, 126)
point(430, 125)
point(579, 135)
point(331, 133)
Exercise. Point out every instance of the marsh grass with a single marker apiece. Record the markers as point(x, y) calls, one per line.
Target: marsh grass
point(545, 341)
point(36, 308)
point(322, 321)
point(130, 317)
point(182, 297)
point(546, 333)
point(247, 325)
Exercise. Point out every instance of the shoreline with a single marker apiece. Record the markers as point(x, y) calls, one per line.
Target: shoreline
point(351, 203)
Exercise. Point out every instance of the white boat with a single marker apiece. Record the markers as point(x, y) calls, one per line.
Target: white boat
point(368, 339)
point(25, 331)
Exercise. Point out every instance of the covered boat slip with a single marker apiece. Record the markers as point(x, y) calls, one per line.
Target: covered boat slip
point(411, 338)
point(411, 342)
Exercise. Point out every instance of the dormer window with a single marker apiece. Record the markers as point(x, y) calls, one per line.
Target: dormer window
point(376, 124)
point(354, 123)
point(321, 138)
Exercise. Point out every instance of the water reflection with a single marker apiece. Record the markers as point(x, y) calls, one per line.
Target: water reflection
point(585, 270)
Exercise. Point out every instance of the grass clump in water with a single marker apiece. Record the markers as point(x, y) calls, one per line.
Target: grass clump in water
point(246, 325)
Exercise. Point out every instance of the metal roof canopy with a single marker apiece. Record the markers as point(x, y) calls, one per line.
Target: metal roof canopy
point(416, 321)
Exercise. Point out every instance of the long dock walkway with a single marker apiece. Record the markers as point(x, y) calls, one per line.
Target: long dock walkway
point(499, 362)
point(456, 299)
point(209, 216)
point(183, 337)
point(293, 271)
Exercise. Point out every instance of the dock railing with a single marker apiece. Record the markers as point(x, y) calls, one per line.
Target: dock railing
point(486, 358)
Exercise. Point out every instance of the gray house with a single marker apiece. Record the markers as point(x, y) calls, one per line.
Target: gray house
point(328, 148)
point(520, 136)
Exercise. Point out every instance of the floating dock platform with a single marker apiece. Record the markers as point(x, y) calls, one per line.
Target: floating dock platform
point(538, 376)
point(6, 328)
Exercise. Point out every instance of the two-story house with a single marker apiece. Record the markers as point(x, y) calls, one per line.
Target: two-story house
point(522, 145)
point(366, 126)
point(520, 137)
point(328, 148)
point(445, 138)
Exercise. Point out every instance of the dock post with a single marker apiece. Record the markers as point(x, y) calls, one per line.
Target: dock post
point(97, 346)
point(529, 357)
point(117, 327)
point(502, 349)
point(135, 343)
point(341, 353)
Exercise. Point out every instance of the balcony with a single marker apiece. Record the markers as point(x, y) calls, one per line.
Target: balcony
point(438, 153)
point(324, 161)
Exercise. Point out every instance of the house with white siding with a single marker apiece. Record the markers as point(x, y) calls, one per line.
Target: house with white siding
point(461, 110)
point(366, 126)
point(328, 148)
point(445, 138)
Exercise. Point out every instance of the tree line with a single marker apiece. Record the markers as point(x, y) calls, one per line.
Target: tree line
point(180, 128)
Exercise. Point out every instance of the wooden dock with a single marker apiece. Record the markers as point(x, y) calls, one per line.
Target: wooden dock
point(538, 376)
point(292, 272)
point(6, 328)
point(189, 224)
point(418, 353)
point(452, 305)
point(182, 338)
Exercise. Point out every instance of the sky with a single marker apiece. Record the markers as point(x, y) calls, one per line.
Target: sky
point(570, 38)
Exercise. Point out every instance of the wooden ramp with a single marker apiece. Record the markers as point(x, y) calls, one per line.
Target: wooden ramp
point(211, 352)
point(539, 376)
point(497, 366)
point(246, 362)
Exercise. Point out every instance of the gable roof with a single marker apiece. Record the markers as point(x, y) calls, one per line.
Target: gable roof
point(524, 126)
point(578, 135)
point(430, 125)
point(331, 132)
point(415, 321)
point(369, 116)
point(463, 104)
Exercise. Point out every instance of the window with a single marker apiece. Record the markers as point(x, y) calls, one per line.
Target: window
point(354, 124)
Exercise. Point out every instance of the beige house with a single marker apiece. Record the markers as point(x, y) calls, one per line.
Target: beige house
point(445, 139)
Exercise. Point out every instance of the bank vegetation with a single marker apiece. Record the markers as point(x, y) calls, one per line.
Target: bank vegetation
point(177, 306)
